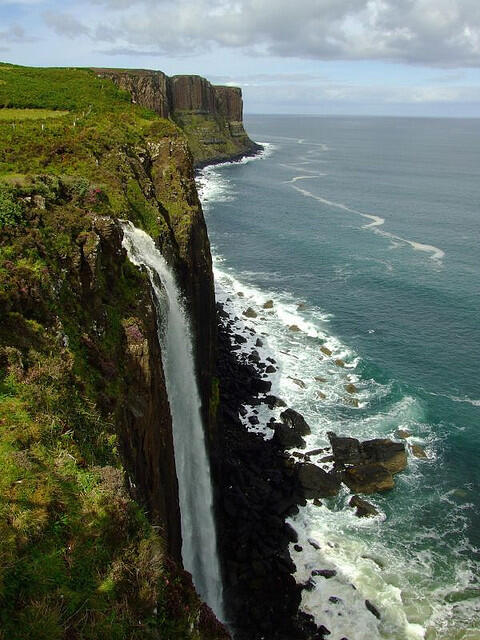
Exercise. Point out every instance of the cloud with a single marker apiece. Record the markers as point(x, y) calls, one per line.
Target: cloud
point(15, 34)
point(65, 24)
point(443, 33)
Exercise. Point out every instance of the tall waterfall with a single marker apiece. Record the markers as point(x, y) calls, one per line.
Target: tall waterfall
point(199, 546)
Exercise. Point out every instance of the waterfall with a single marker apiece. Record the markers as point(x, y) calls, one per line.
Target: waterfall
point(199, 545)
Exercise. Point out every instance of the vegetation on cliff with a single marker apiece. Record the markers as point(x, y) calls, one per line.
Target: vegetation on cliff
point(80, 556)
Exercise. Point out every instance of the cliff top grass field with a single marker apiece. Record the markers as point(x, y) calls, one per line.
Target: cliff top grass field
point(78, 556)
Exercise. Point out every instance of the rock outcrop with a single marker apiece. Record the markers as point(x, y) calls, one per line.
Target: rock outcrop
point(211, 116)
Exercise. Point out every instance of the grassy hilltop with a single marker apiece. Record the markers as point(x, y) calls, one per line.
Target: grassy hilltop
point(78, 556)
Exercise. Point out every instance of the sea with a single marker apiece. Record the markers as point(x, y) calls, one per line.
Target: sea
point(365, 234)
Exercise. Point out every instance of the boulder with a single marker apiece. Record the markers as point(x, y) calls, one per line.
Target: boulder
point(339, 362)
point(388, 453)
point(315, 482)
point(287, 438)
point(250, 313)
point(268, 304)
point(345, 450)
point(270, 369)
point(320, 379)
point(298, 382)
point(295, 421)
point(320, 395)
point(418, 451)
point(373, 609)
point(273, 401)
point(351, 388)
point(295, 328)
point(326, 351)
point(402, 433)
point(240, 294)
point(325, 573)
point(368, 478)
point(364, 508)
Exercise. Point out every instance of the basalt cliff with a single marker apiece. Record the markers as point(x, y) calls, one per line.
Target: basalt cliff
point(90, 535)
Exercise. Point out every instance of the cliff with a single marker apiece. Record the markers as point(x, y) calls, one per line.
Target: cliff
point(211, 116)
point(89, 523)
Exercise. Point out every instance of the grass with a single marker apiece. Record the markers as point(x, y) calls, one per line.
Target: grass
point(78, 556)
point(29, 114)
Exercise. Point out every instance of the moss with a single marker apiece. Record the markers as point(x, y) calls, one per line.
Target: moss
point(78, 556)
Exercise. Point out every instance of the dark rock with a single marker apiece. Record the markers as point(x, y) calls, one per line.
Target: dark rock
point(253, 420)
point(402, 433)
point(298, 382)
point(295, 328)
point(345, 450)
point(335, 600)
point(339, 362)
point(317, 502)
point(315, 482)
point(325, 573)
point(298, 548)
point(239, 339)
point(364, 508)
point(368, 478)
point(309, 585)
point(254, 357)
point(390, 454)
point(418, 451)
point(273, 401)
point(326, 351)
point(250, 313)
point(351, 388)
point(270, 369)
point(286, 438)
point(373, 609)
point(268, 304)
point(314, 544)
point(295, 421)
point(271, 360)
point(259, 343)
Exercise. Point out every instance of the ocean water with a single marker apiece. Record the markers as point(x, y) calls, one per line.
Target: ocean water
point(365, 233)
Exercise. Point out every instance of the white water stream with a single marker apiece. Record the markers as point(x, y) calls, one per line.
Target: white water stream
point(199, 544)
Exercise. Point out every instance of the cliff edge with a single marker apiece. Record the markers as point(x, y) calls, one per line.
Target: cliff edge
point(211, 116)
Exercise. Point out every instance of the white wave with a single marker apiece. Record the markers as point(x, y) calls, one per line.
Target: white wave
point(377, 221)
point(296, 178)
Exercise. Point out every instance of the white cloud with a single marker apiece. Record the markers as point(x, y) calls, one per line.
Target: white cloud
point(65, 24)
point(442, 33)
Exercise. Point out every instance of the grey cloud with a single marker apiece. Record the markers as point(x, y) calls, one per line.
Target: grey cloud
point(444, 33)
point(65, 24)
point(15, 34)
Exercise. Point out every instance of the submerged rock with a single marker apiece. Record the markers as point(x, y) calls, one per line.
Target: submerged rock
point(339, 362)
point(418, 451)
point(368, 478)
point(351, 388)
point(326, 351)
point(295, 328)
point(402, 433)
point(298, 382)
point(268, 304)
point(363, 508)
point(373, 609)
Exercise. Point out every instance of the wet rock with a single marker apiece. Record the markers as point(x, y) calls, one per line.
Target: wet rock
point(320, 395)
point(270, 369)
point(298, 382)
point(240, 294)
point(345, 450)
point(315, 482)
point(298, 548)
point(363, 508)
point(253, 420)
point(239, 339)
point(271, 360)
point(402, 433)
point(325, 573)
point(373, 609)
point(309, 585)
point(259, 343)
point(353, 402)
point(250, 313)
point(274, 401)
point(301, 306)
point(368, 478)
point(326, 351)
point(339, 362)
point(317, 502)
point(295, 421)
point(254, 357)
point(312, 542)
point(335, 600)
point(351, 388)
point(268, 304)
point(378, 562)
point(418, 451)
point(390, 454)
point(287, 438)
point(320, 379)
point(327, 459)
point(315, 452)
point(295, 328)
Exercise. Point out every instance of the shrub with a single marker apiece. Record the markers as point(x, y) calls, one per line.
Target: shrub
point(11, 212)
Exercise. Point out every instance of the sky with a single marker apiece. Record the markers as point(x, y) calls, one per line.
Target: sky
point(365, 57)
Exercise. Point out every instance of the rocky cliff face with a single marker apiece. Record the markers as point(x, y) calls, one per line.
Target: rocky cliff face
point(211, 116)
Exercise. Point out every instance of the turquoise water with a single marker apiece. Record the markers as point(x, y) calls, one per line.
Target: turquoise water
point(372, 224)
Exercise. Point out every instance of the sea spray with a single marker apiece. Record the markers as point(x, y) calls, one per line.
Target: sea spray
point(199, 547)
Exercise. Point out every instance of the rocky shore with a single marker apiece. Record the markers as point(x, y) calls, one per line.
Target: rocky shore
point(261, 482)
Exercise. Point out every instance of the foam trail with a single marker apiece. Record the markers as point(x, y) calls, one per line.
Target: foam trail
point(377, 221)
point(296, 178)
point(199, 545)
